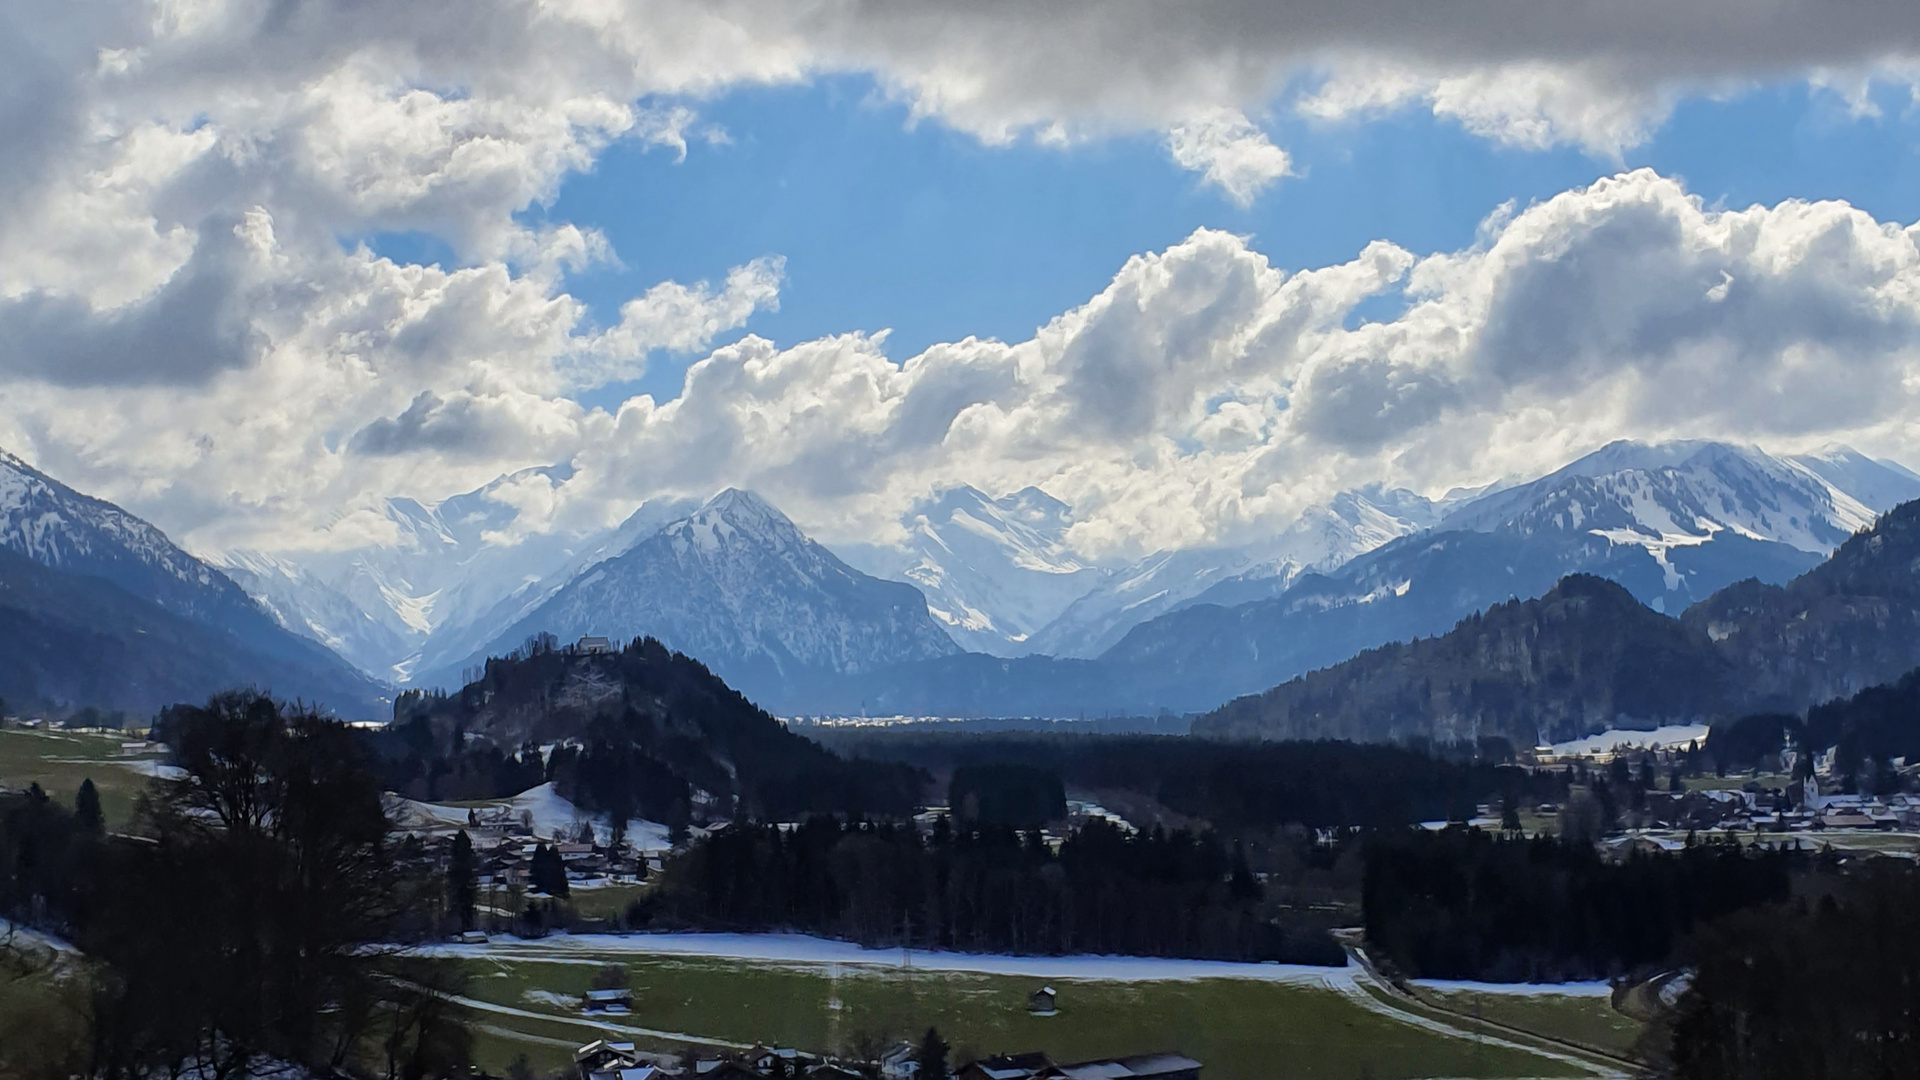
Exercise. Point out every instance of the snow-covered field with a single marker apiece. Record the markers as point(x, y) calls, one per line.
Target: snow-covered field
point(1567, 989)
point(1672, 735)
point(803, 950)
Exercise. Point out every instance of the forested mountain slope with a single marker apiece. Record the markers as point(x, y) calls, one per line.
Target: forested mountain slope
point(1586, 657)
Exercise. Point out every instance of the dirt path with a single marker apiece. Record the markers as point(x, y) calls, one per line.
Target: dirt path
point(1380, 994)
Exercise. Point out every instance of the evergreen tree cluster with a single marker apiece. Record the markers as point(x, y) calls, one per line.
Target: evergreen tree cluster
point(987, 889)
point(1802, 989)
point(1463, 904)
point(1005, 793)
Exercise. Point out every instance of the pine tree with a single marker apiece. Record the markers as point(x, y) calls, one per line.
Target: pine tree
point(548, 872)
point(86, 807)
point(931, 1056)
point(462, 882)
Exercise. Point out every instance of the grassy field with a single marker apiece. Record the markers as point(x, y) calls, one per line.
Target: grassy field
point(1735, 783)
point(1591, 1022)
point(43, 1005)
point(605, 902)
point(1241, 1029)
point(59, 760)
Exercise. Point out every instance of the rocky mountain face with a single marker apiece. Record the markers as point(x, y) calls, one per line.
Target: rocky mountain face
point(1578, 660)
point(103, 609)
point(1584, 657)
point(737, 585)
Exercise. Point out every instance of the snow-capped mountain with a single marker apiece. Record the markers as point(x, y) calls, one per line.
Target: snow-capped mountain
point(1351, 524)
point(99, 587)
point(445, 582)
point(56, 526)
point(994, 571)
point(740, 587)
point(306, 605)
point(1676, 499)
point(453, 642)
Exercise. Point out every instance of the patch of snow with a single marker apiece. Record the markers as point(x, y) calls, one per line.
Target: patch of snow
point(1567, 989)
point(20, 936)
point(1671, 735)
point(805, 950)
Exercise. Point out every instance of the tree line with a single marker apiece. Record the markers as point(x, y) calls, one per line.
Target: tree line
point(1463, 904)
point(1241, 786)
point(986, 889)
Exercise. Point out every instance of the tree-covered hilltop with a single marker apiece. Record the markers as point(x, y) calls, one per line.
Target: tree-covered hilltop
point(643, 731)
point(1584, 657)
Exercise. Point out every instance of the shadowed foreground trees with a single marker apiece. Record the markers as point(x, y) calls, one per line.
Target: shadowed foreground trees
point(237, 924)
point(1808, 990)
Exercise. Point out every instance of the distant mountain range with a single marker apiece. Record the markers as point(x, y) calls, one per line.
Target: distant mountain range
point(1588, 656)
point(1671, 523)
point(98, 607)
point(1009, 619)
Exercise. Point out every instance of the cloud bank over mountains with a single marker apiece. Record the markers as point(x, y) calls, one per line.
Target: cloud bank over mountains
point(192, 324)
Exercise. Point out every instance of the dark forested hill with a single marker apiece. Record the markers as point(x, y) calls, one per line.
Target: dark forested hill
point(645, 731)
point(1847, 624)
point(1583, 657)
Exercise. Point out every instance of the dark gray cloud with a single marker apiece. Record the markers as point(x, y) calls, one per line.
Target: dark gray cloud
point(195, 325)
point(430, 424)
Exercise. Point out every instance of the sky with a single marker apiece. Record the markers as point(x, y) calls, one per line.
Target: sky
point(1192, 268)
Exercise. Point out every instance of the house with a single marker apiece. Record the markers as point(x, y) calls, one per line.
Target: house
point(593, 643)
point(607, 1001)
point(1042, 1002)
point(897, 1062)
point(779, 1061)
point(603, 1060)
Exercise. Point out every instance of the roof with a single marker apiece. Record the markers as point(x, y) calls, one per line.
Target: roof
point(1144, 1065)
point(611, 995)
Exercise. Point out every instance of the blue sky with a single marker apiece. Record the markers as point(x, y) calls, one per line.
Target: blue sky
point(927, 231)
point(186, 201)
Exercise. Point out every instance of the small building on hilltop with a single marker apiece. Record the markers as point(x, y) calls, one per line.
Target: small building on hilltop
point(1043, 1002)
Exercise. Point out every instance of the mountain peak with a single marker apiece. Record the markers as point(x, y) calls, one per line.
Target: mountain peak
point(746, 510)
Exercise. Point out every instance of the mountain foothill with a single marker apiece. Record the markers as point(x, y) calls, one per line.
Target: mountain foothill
point(1637, 585)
